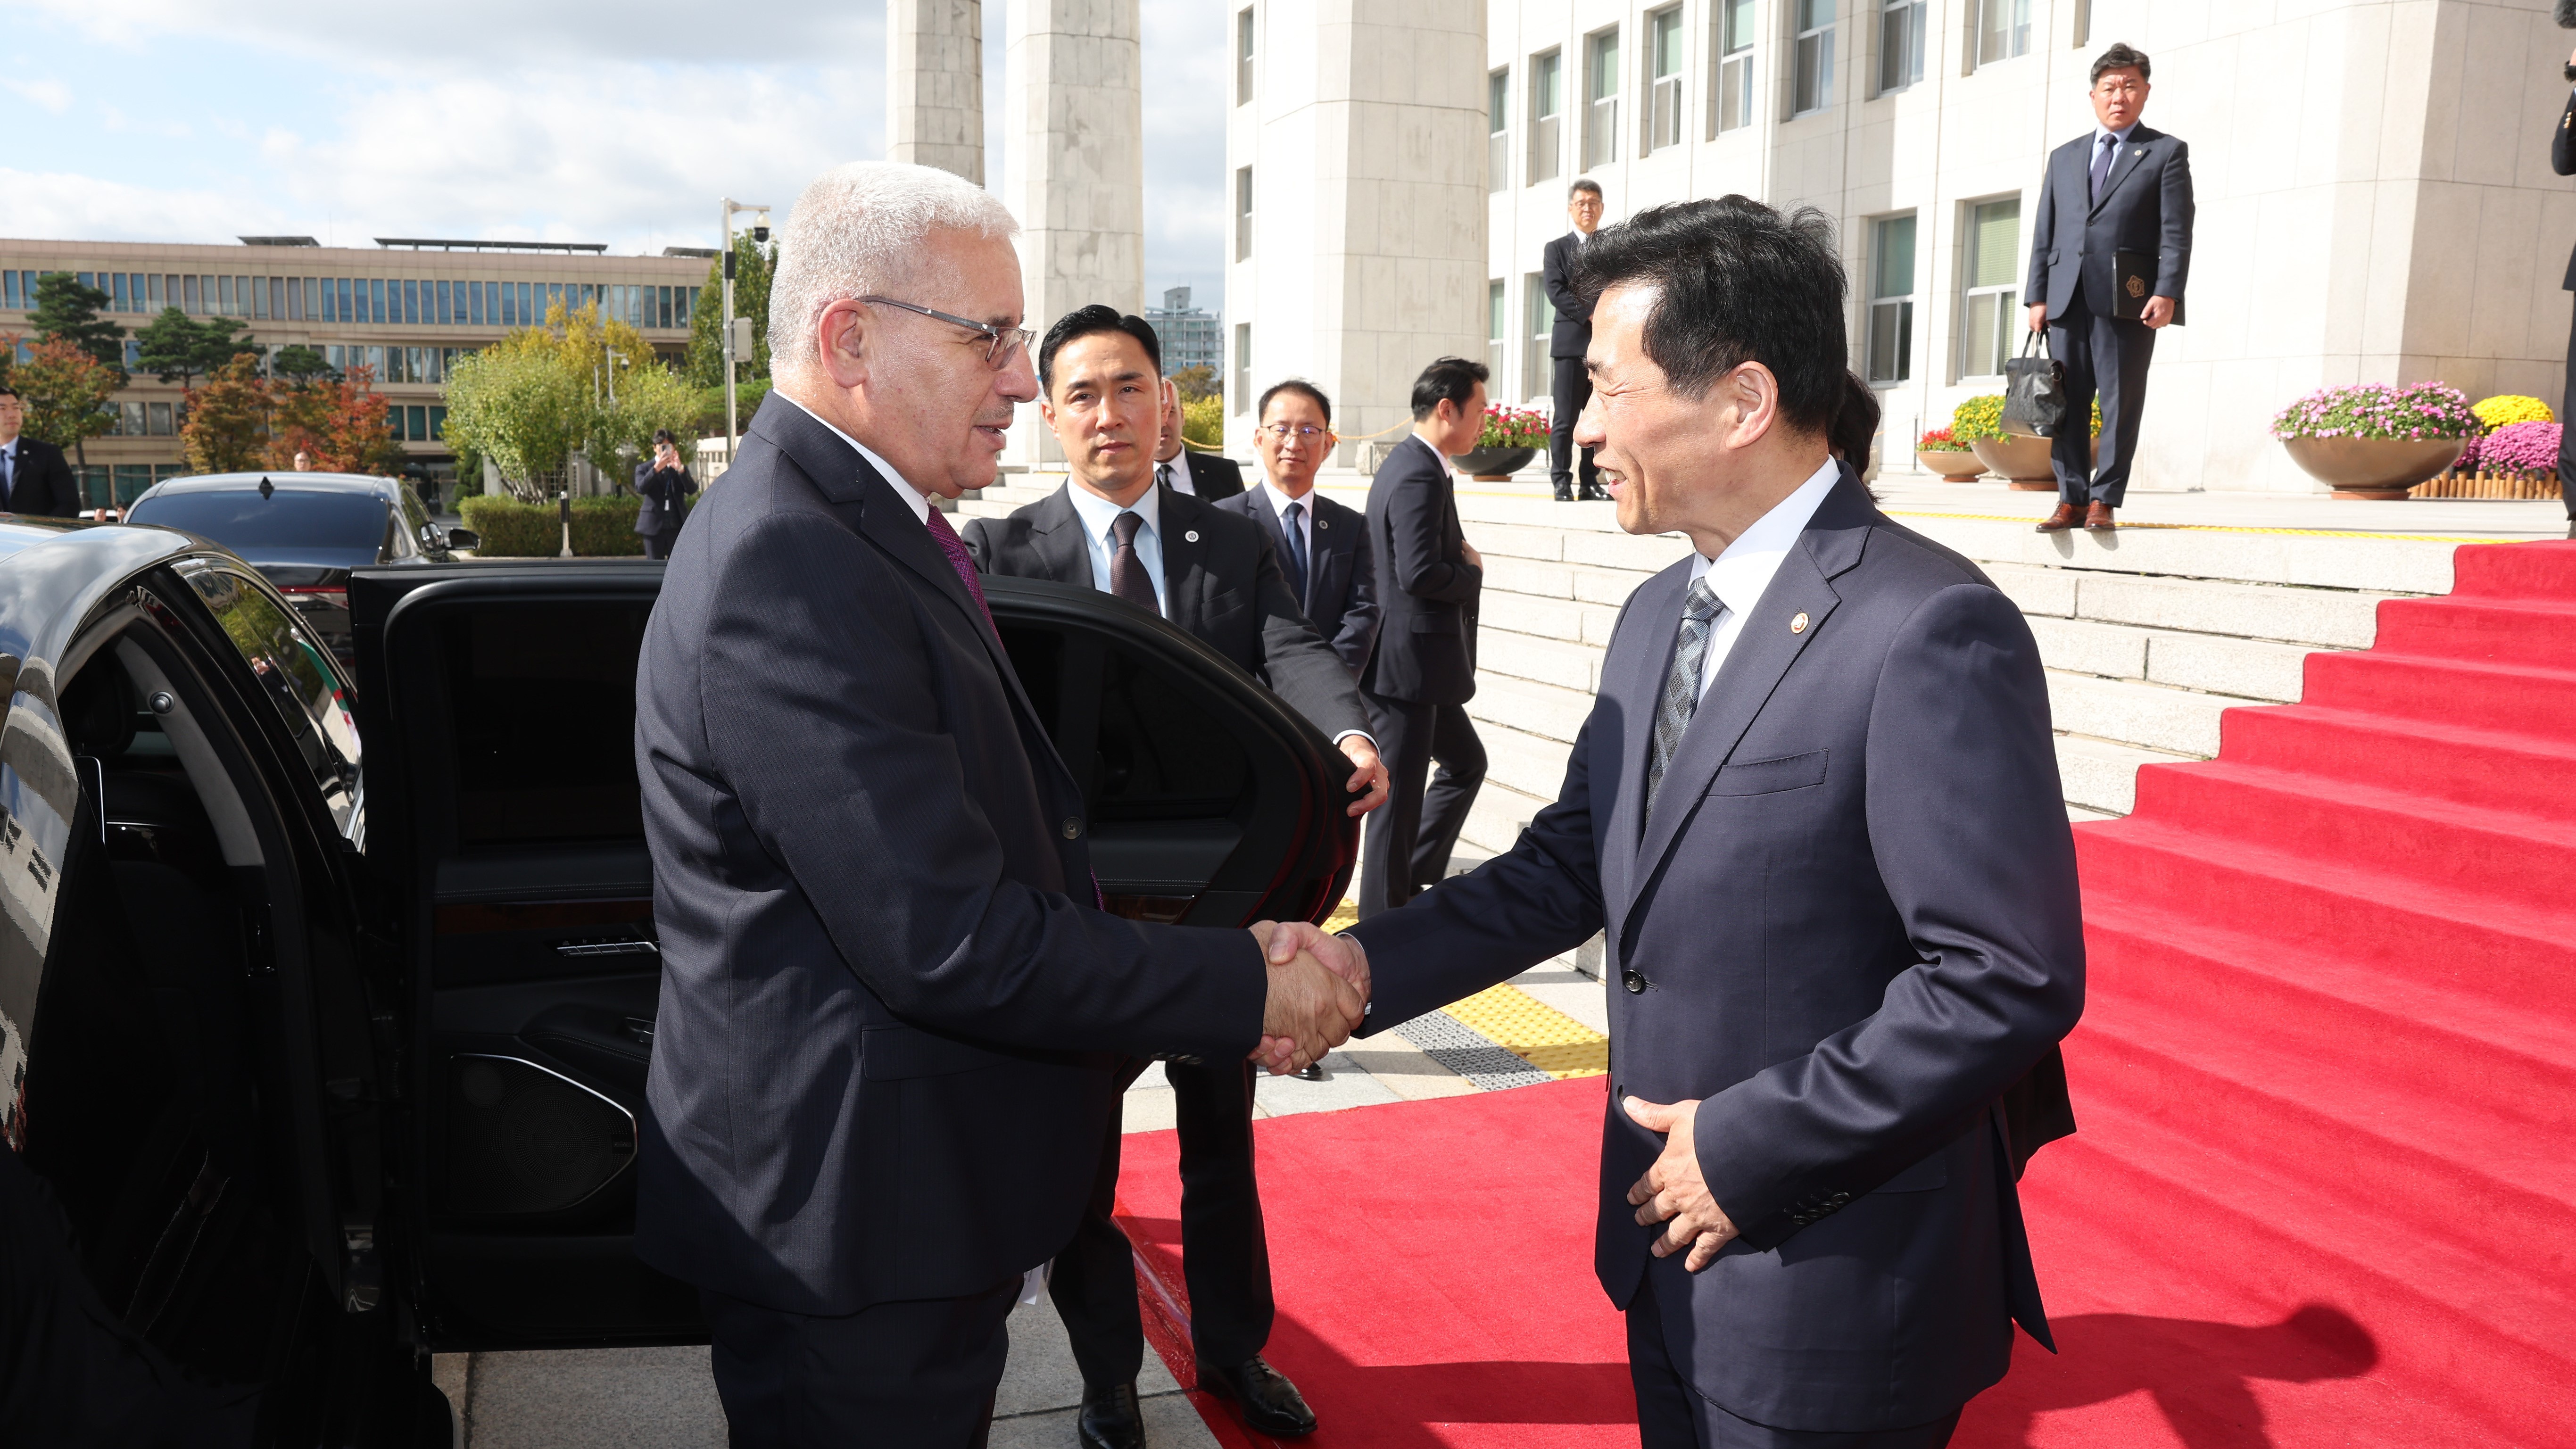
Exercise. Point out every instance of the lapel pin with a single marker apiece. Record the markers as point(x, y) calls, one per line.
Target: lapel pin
point(1798, 625)
point(1192, 535)
point(1323, 523)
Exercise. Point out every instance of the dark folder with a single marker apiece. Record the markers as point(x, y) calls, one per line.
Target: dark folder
point(2133, 281)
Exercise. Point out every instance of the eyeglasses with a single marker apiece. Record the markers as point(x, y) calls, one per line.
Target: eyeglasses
point(1000, 341)
point(1303, 432)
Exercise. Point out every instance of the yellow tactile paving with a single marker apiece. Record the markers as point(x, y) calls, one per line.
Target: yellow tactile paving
point(1536, 1032)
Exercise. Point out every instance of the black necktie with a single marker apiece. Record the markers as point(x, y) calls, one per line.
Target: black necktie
point(1127, 577)
point(1295, 522)
point(1163, 474)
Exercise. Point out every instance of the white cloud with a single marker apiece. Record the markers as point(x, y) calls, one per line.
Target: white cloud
point(48, 95)
point(57, 206)
point(489, 35)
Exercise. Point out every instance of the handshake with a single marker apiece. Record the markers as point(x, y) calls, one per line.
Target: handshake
point(1319, 991)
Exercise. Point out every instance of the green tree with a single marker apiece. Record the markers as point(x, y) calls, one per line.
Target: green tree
point(522, 408)
point(66, 391)
point(67, 311)
point(176, 349)
point(1194, 383)
point(752, 268)
point(228, 419)
point(299, 364)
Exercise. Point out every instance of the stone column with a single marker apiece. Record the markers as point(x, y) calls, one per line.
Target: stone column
point(1073, 170)
point(935, 85)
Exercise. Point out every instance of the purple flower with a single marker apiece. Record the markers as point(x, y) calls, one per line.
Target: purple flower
point(2521, 448)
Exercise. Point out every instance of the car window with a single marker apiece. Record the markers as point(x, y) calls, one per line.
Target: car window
point(416, 530)
point(287, 518)
point(299, 678)
point(542, 711)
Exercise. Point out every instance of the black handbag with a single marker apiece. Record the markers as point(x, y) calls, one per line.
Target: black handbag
point(2034, 391)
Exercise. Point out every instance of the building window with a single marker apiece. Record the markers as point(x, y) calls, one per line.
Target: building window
point(129, 420)
point(1243, 214)
point(1498, 164)
point(1536, 382)
point(1242, 55)
point(1814, 85)
point(2003, 29)
point(1664, 83)
point(1891, 299)
point(10, 297)
point(1242, 368)
point(1992, 303)
point(1547, 107)
point(2083, 23)
point(1498, 325)
point(158, 415)
point(1601, 98)
point(1900, 44)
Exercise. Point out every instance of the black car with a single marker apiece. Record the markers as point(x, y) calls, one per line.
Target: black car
point(305, 532)
point(321, 1058)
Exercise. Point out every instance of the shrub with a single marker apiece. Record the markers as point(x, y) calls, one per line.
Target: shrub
point(601, 527)
point(1978, 418)
point(2521, 448)
point(2416, 411)
point(1203, 422)
point(2506, 409)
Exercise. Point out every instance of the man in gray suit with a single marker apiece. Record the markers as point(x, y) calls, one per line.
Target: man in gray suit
point(892, 1011)
point(1815, 812)
point(2110, 251)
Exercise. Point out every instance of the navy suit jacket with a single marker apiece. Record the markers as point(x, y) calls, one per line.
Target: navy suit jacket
point(1852, 922)
point(1341, 579)
point(665, 494)
point(1426, 648)
point(2145, 206)
point(1572, 333)
point(41, 484)
point(879, 943)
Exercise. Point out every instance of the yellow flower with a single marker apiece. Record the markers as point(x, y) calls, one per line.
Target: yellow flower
point(2506, 409)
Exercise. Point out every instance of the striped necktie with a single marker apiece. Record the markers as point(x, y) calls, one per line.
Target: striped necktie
point(1701, 609)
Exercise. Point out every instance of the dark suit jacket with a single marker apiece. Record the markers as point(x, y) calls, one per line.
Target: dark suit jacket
point(1215, 476)
point(1341, 577)
point(874, 894)
point(665, 494)
point(2562, 159)
point(1220, 581)
point(42, 485)
point(1854, 921)
point(1573, 331)
point(1426, 649)
point(2145, 207)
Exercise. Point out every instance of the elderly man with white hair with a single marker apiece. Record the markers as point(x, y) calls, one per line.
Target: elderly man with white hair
point(891, 1008)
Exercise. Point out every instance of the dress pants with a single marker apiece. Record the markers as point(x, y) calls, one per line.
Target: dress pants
point(1573, 388)
point(909, 1374)
point(2111, 355)
point(1412, 835)
point(658, 545)
point(2567, 433)
point(1673, 1415)
point(1225, 1253)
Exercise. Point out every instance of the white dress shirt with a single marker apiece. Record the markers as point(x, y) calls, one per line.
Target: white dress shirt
point(1741, 574)
point(1179, 463)
point(903, 488)
point(1098, 513)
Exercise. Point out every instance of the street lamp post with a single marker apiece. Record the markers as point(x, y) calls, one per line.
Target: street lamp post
point(759, 233)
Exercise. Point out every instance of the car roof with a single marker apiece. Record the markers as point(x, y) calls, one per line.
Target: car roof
point(282, 481)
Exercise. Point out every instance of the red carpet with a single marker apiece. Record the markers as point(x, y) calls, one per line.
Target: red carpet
point(2325, 1188)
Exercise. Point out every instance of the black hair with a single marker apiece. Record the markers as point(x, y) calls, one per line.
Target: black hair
point(1447, 379)
point(1583, 183)
point(1296, 385)
point(1855, 423)
point(663, 435)
point(9, 389)
point(2121, 56)
point(1085, 321)
point(1735, 282)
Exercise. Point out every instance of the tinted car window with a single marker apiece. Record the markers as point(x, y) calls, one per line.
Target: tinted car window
point(290, 518)
point(1156, 755)
point(298, 676)
point(543, 716)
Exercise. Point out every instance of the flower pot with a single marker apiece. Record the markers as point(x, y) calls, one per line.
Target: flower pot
point(1954, 465)
point(1492, 464)
point(2379, 469)
point(2024, 460)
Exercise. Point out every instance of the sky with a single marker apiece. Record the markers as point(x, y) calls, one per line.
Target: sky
point(551, 120)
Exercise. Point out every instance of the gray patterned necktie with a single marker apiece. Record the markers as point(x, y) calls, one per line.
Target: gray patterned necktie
point(1701, 608)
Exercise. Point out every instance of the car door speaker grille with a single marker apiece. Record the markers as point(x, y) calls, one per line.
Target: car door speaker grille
point(523, 1140)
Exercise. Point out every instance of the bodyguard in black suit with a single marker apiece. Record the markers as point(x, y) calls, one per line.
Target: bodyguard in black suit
point(1571, 387)
point(2122, 194)
point(1322, 546)
point(34, 479)
point(892, 1016)
point(1210, 572)
point(1423, 671)
point(1209, 477)
point(1816, 812)
point(663, 486)
point(2562, 159)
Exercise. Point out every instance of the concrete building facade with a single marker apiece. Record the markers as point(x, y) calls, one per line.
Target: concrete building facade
point(405, 313)
point(935, 85)
point(2375, 197)
point(1191, 336)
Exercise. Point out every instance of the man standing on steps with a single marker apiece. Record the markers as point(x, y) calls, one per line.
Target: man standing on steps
point(2109, 253)
point(1566, 341)
point(1322, 545)
point(1205, 476)
point(1423, 671)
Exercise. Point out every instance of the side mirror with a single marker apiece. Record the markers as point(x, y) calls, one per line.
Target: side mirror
point(464, 538)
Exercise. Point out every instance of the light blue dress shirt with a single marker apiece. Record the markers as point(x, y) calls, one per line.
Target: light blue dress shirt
point(1098, 513)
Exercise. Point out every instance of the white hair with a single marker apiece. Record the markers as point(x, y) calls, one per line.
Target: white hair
point(857, 231)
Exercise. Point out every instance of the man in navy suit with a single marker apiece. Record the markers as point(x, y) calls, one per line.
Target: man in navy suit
point(1322, 545)
point(1816, 813)
point(892, 1012)
point(1570, 388)
point(2125, 189)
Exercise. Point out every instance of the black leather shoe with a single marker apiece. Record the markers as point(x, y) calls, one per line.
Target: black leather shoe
point(1269, 1402)
point(1565, 493)
point(1594, 493)
point(1110, 1419)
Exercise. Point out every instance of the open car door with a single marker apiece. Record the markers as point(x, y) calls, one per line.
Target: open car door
point(498, 701)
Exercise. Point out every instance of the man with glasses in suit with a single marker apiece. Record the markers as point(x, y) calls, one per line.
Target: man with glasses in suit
point(1322, 545)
